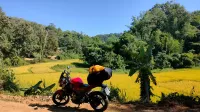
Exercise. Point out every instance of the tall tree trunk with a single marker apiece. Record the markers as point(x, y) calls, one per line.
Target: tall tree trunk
point(43, 46)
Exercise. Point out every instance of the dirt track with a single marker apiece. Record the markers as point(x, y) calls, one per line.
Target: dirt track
point(7, 106)
point(44, 104)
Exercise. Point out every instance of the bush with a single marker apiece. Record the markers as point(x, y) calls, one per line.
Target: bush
point(196, 60)
point(8, 62)
point(184, 60)
point(116, 94)
point(17, 61)
point(187, 60)
point(93, 55)
point(7, 78)
point(114, 61)
point(66, 55)
point(180, 99)
point(162, 60)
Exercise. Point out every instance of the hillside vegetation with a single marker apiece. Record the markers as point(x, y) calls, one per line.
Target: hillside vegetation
point(166, 36)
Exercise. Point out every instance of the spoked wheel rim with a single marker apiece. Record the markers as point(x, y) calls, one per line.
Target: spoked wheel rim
point(98, 102)
point(61, 99)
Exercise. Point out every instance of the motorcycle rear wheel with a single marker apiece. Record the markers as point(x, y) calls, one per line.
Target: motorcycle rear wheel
point(61, 97)
point(96, 99)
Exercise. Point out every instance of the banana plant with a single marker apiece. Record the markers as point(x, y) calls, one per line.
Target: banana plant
point(142, 64)
point(37, 90)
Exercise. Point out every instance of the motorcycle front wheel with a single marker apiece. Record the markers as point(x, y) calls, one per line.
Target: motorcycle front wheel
point(98, 101)
point(59, 98)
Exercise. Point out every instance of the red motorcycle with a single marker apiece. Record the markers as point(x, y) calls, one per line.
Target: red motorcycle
point(78, 92)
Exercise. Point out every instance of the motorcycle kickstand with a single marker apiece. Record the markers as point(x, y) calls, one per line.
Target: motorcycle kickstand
point(78, 105)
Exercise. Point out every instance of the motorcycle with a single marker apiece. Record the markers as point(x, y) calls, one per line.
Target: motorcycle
point(78, 92)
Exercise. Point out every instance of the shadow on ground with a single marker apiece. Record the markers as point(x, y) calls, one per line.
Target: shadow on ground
point(54, 108)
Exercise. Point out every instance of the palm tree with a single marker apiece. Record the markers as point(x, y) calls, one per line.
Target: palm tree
point(142, 63)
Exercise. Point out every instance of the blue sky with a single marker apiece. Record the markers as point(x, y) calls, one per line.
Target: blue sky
point(91, 17)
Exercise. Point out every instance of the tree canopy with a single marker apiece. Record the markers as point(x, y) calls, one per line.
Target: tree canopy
point(168, 27)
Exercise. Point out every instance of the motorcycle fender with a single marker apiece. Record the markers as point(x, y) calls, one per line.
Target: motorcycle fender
point(60, 92)
point(98, 92)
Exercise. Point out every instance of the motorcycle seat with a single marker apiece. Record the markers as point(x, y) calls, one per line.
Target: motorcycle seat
point(85, 85)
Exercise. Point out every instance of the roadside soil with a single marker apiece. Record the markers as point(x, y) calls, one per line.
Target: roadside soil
point(9, 103)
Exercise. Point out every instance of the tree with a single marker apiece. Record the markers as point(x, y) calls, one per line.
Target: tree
point(43, 34)
point(51, 38)
point(127, 46)
point(164, 42)
point(142, 63)
point(193, 43)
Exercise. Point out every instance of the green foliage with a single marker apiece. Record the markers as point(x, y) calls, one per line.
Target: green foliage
point(109, 37)
point(167, 27)
point(187, 60)
point(65, 55)
point(17, 61)
point(93, 55)
point(7, 79)
point(180, 99)
point(114, 61)
point(142, 63)
point(164, 42)
point(8, 62)
point(196, 60)
point(116, 94)
point(38, 90)
point(184, 60)
point(162, 60)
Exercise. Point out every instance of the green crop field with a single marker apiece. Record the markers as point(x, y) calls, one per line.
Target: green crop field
point(181, 80)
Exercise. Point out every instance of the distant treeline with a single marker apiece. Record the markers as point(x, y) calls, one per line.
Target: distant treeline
point(173, 32)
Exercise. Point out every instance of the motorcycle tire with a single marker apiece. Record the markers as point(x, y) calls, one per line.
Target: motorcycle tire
point(59, 103)
point(95, 101)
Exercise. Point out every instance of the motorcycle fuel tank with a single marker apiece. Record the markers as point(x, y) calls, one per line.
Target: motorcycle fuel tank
point(77, 82)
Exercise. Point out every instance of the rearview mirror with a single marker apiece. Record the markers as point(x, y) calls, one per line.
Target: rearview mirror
point(68, 67)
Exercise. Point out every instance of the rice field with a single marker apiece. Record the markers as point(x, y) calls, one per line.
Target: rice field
point(182, 80)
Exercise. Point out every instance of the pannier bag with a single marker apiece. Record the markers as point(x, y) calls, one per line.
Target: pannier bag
point(98, 74)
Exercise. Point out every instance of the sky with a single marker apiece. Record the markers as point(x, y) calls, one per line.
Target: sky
point(91, 17)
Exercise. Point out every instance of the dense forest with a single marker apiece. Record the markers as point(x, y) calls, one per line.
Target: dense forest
point(172, 31)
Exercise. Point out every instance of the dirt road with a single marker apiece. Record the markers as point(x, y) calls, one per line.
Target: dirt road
point(8, 106)
point(44, 104)
point(10, 103)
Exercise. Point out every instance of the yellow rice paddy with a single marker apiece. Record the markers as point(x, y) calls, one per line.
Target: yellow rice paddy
point(181, 81)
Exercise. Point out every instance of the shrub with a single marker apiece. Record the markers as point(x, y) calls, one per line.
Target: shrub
point(8, 62)
point(187, 62)
point(17, 61)
point(184, 60)
point(176, 98)
point(113, 61)
point(7, 78)
point(196, 60)
point(175, 61)
point(66, 55)
point(162, 60)
point(116, 94)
